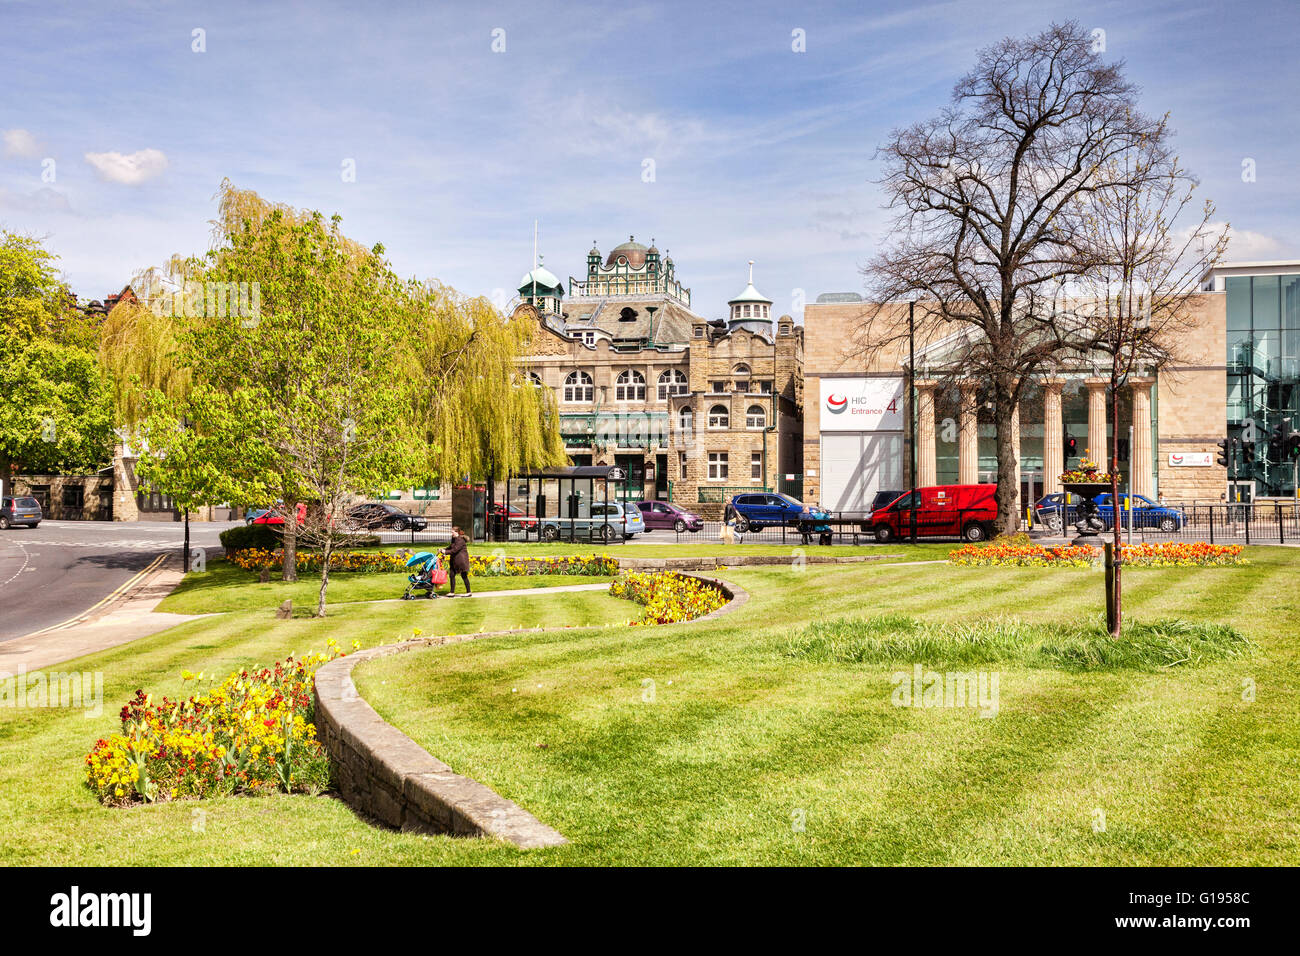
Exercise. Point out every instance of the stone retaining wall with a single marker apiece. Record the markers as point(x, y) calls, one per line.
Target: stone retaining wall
point(387, 776)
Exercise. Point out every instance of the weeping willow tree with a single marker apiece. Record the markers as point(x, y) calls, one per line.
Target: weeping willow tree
point(478, 416)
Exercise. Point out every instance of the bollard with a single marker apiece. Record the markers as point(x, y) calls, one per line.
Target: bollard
point(1110, 586)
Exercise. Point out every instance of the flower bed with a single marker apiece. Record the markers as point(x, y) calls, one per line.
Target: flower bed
point(1164, 555)
point(1088, 473)
point(252, 733)
point(668, 597)
point(259, 559)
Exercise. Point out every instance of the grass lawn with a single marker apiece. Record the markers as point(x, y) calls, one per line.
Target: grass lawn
point(742, 740)
point(707, 546)
point(226, 587)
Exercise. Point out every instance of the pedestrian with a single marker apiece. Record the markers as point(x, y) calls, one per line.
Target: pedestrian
point(729, 516)
point(457, 552)
point(1160, 498)
point(805, 524)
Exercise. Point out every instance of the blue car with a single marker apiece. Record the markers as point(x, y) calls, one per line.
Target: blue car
point(1146, 513)
point(757, 511)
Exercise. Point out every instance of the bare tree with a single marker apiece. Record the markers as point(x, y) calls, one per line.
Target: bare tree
point(1135, 310)
point(989, 200)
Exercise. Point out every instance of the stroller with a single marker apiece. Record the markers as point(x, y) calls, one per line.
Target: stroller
point(427, 575)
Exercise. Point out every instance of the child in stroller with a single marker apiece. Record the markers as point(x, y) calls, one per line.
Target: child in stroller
point(427, 575)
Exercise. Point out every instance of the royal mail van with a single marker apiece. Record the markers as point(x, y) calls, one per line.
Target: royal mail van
point(942, 511)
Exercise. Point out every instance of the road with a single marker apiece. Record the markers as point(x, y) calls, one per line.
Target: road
point(60, 569)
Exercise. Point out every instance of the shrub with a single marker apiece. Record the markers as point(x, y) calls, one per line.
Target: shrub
point(249, 537)
point(1166, 554)
point(252, 733)
point(384, 561)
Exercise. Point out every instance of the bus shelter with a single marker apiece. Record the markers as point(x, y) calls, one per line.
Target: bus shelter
point(574, 503)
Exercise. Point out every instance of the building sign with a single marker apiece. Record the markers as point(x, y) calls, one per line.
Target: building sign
point(861, 404)
point(1192, 459)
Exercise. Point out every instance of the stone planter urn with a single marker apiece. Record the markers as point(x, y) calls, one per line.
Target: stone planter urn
point(1089, 524)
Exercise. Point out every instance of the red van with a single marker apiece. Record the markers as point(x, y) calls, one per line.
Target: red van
point(945, 511)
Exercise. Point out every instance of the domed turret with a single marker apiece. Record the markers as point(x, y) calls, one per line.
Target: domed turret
point(542, 289)
point(632, 251)
point(751, 309)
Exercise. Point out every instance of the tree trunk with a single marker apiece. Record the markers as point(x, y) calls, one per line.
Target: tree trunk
point(324, 574)
point(1008, 487)
point(289, 566)
point(1117, 514)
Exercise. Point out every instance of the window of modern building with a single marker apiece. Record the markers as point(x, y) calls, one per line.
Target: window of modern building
point(755, 417)
point(719, 417)
point(672, 382)
point(717, 466)
point(629, 386)
point(579, 387)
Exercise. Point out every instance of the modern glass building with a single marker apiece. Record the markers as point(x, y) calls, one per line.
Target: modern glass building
point(1263, 366)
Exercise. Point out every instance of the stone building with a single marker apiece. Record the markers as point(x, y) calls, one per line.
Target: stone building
point(691, 409)
point(1238, 372)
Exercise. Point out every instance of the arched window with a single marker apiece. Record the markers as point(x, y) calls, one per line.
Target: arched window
point(741, 369)
point(535, 380)
point(755, 417)
point(719, 417)
point(630, 387)
point(686, 420)
point(578, 387)
point(672, 382)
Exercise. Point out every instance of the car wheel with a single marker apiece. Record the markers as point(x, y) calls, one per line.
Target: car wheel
point(606, 533)
point(1168, 525)
point(515, 527)
point(4, 523)
point(400, 524)
point(884, 534)
point(1053, 524)
point(974, 532)
point(743, 526)
point(679, 525)
point(551, 533)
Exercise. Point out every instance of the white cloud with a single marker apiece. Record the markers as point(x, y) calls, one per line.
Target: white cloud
point(20, 143)
point(130, 169)
point(1245, 246)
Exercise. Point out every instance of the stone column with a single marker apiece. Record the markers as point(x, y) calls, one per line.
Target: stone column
point(968, 436)
point(1053, 437)
point(1140, 453)
point(926, 470)
point(1097, 448)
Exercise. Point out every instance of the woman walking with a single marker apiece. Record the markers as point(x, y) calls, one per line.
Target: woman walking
point(458, 554)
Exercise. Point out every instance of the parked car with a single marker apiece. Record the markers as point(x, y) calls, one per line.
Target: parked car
point(518, 519)
point(662, 514)
point(880, 500)
point(968, 511)
point(607, 521)
point(1146, 513)
point(758, 511)
point(380, 516)
point(24, 510)
point(254, 514)
point(276, 515)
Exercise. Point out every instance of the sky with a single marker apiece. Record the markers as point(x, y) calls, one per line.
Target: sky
point(445, 129)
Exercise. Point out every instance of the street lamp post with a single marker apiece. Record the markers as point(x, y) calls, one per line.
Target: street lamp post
point(911, 409)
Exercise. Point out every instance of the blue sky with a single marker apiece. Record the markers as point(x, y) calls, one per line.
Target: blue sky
point(759, 152)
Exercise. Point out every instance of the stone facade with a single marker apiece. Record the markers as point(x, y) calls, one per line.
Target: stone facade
point(691, 408)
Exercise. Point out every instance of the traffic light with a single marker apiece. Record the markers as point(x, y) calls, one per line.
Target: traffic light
point(1292, 448)
point(1071, 449)
point(1277, 442)
point(1247, 452)
point(1225, 452)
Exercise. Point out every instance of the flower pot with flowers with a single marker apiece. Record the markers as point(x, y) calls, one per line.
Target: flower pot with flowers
point(1087, 481)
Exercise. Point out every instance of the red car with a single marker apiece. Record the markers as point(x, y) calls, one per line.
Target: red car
point(276, 515)
point(944, 511)
point(518, 520)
